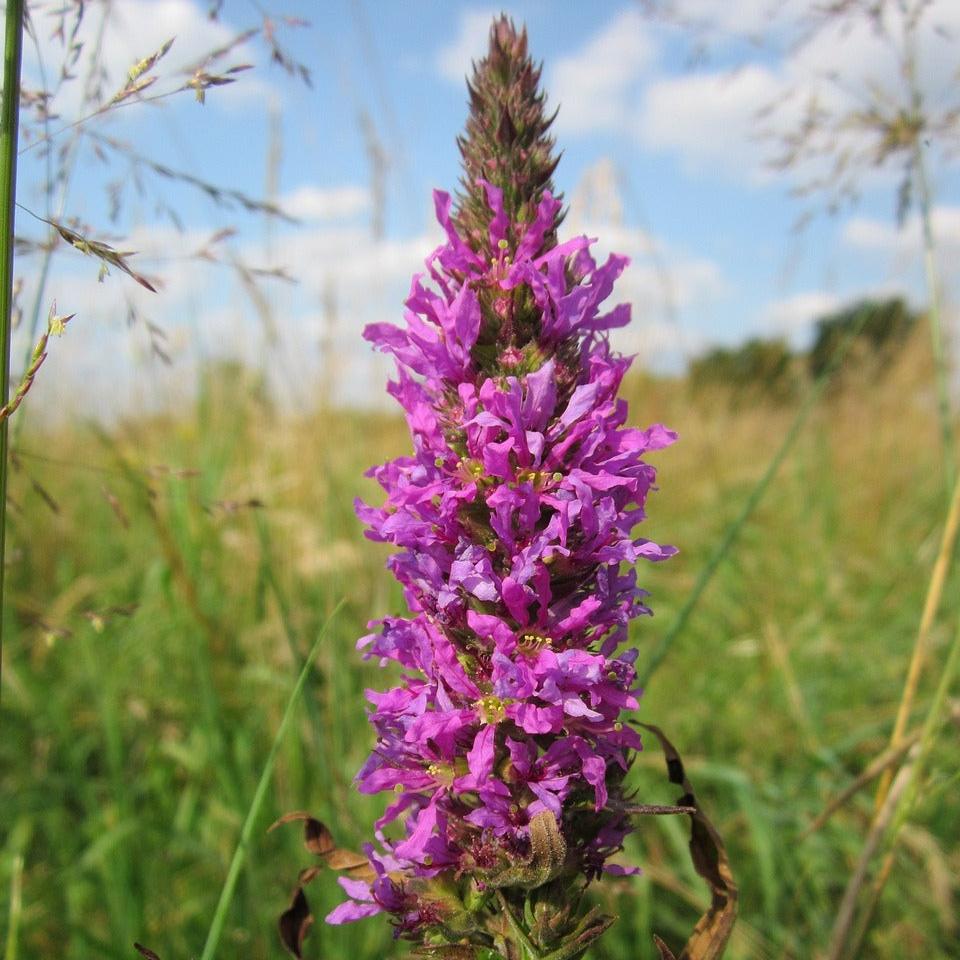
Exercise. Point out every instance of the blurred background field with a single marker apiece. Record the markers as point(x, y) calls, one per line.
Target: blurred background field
point(169, 575)
point(180, 519)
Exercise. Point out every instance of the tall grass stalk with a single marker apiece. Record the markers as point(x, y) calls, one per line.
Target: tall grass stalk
point(256, 804)
point(756, 495)
point(925, 204)
point(930, 608)
point(897, 808)
point(9, 120)
point(936, 323)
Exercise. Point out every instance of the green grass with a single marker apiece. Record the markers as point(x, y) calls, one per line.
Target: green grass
point(148, 666)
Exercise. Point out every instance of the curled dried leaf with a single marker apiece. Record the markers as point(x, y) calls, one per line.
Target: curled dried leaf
point(665, 952)
point(712, 932)
point(295, 923)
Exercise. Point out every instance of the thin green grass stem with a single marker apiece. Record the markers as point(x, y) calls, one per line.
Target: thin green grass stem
point(941, 366)
point(256, 804)
point(16, 908)
point(756, 495)
point(9, 121)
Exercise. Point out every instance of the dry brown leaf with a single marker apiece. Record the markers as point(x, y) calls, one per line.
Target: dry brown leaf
point(665, 952)
point(295, 923)
point(712, 932)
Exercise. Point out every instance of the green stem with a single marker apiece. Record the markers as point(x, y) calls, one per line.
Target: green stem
point(518, 931)
point(16, 908)
point(9, 120)
point(941, 369)
point(246, 832)
point(756, 495)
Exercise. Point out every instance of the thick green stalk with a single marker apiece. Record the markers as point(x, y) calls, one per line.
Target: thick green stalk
point(256, 804)
point(940, 362)
point(9, 120)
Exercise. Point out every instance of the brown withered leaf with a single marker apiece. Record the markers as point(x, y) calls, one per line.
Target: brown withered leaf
point(295, 923)
point(145, 951)
point(665, 952)
point(346, 860)
point(317, 838)
point(308, 875)
point(712, 932)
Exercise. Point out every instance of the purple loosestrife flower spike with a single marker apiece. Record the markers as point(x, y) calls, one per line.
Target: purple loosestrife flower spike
point(504, 744)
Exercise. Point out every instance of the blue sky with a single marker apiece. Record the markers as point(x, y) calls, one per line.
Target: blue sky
point(661, 160)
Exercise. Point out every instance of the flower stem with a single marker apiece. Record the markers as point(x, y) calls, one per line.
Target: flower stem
point(530, 950)
point(9, 120)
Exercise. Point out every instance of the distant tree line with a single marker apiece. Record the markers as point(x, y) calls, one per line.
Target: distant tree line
point(768, 369)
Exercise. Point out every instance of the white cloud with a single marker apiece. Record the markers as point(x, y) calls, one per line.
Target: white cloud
point(708, 119)
point(878, 236)
point(453, 61)
point(670, 290)
point(793, 316)
point(711, 120)
point(596, 87)
point(346, 280)
point(312, 203)
point(722, 19)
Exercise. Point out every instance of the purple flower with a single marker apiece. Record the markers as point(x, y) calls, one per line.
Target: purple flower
point(514, 518)
point(514, 521)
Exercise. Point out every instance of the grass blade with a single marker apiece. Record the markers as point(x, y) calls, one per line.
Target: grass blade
point(246, 832)
point(16, 908)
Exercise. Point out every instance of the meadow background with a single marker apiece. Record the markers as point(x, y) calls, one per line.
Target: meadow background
point(180, 523)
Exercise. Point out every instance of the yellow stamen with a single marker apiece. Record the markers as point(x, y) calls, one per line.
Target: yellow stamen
point(491, 709)
point(534, 642)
